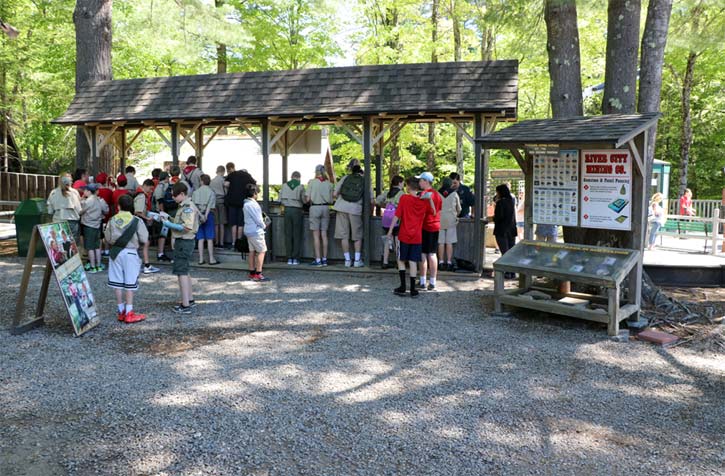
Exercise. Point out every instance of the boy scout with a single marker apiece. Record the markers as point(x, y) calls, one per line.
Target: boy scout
point(205, 200)
point(141, 207)
point(183, 228)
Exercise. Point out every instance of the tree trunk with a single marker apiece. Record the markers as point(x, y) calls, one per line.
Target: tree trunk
point(92, 19)
point(651, 64)
point(221, 48)
point(686, 142)
point(457, 57)
point(394, 164)
point(620, 75)
point(562, 46)
point(430, 155)
point(487, 44)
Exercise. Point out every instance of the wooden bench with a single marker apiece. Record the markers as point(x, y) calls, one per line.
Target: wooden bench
point(686, 228)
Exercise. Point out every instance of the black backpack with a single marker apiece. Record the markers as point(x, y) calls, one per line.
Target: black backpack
point(168, 200)
point(352, 188)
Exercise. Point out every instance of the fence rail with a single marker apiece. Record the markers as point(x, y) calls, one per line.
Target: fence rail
point(704, 208)
point(16, 187)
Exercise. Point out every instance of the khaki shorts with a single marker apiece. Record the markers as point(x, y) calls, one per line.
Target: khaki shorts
point(448, 236)
point(345, 223)
point(319, 217)
point(257, 243)
point(183, 249)
point(220, 214)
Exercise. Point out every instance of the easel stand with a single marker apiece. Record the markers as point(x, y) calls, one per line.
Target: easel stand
point(18, 328)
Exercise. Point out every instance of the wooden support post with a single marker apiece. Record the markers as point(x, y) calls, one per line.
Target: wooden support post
point(199, 146)
point(94, 151)
point(285, 157)
point(379, 168)
point(639, 225)
point(525, 280)
point(266, 145)
point(715, 226)
point(124, 149)
point(174, 143)
point(498, 290)
point(479, 239)
point(17, 328)
point(613, 310)
point(367, 142)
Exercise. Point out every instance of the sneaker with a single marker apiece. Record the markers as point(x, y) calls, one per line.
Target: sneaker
point(399, 291)
point(179, 309)
point(348, 263)
point(316, 263)
point(252, 275)
point(414, 293)
point(260, 277)
point(87, 267)
point(90, 270)
point(431, 287)
point(324, 261)
point(359, 264)
point(421, 287)
point(192, 304)
point(295, 262)
point(290, 262)
point(164, 258)
point(121, 316)
point(150, 269)
point(132, 317)
point(101, 267)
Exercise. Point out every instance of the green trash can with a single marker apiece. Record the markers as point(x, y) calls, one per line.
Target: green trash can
point(28, 214)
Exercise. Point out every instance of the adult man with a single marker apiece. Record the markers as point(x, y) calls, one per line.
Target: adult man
point(236, 184)
point(468, 200)
point(349, 193)
point(192, 174)
point(431, 228)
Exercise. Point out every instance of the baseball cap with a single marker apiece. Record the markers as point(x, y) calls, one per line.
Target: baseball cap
point(102, 178)
point(121, 180)
point(90, 186)
point(427, 176)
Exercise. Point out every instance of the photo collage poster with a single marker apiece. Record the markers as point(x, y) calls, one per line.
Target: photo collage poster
point(556, 185)
point(68, 270)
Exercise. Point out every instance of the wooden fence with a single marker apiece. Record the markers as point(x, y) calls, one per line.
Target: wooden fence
point(16, 187)
point(704, 208)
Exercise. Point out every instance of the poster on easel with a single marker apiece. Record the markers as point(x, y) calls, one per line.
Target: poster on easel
point(69, 273)
point(606, 189)
point(556, 185)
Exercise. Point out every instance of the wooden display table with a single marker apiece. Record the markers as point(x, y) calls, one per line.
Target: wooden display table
point(595, 266)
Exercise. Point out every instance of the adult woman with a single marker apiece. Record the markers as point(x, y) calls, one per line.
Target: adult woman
point(319, 195)
point(657, 218)
point(504, 221)
point(449, 220)
point(389, 202)
point(520, 210)
point(64, 204)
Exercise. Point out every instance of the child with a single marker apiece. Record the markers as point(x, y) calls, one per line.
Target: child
point(205, 200)
point(141, 207)
point(183, 230)
point(220, 212)
point(254, 226)
point(410, 212)
point(92, 211)
point(125, 233)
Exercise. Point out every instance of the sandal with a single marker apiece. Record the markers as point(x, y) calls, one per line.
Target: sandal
point(215, 262)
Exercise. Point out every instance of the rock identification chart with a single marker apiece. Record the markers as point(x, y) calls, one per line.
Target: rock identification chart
point(606, 189)
point(556, 185)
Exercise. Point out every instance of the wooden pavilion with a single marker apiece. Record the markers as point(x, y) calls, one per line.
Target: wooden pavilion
point(372, 103)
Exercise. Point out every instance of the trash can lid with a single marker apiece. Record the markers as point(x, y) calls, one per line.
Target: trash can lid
point(31, 207)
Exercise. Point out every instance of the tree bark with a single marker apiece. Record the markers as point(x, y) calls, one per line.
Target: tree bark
point(457, 57)
point(620, 75)
point(92, 19)
point(221, 48)
point(562, 46)
point(686, 143)
point(430, 155)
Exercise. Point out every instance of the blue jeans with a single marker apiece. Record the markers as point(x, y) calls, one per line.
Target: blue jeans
point(653, 232)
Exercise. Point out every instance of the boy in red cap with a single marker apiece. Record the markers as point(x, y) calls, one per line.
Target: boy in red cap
point(119, 192)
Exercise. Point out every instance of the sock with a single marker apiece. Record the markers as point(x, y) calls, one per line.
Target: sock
point(357, 256)
point(412, 284)
point(159, 255)
point(433, 281)
point(401, 272)
point(347, 256)
point(129, 308)
point(121, 308)
point(422, 280)
point(450, 263)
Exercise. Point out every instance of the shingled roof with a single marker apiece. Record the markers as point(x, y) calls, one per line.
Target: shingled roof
point(433, 88)
point(614, 129)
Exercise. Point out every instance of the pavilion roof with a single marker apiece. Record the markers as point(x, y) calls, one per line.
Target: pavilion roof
point(422, 90)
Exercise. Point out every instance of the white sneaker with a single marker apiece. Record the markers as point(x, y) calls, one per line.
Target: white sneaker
point(295, 261)
point(348, 263)
point(359, 264)
point(290, 262)
point(150, 269)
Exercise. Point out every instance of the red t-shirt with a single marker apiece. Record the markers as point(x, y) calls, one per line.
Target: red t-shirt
point(411, 211)
point(106, 194)
point(433, 222)
point(685, 205)
point(116, 195)
point(79, 183)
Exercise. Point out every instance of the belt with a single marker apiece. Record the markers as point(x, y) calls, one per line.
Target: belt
point(320, 204)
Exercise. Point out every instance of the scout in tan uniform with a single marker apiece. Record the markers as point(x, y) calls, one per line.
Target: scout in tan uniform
point(183, 229)
point(140, 209)
point(205, 200)
point(319, 196)
point(125, 233)
point(291, 195)
point(64, 204)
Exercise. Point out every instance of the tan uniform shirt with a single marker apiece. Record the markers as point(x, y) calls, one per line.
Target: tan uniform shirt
point(188, 216)
point(64, 208)
point(318, 192)
point(217, 184)
point(93, 209)
point(117, 225)
point(292, 198)
point(139, 204)
point(204, 198)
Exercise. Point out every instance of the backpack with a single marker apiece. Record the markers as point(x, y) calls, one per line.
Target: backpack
point(352, 188)
point(168, 200)
point(388, 215)
point(187, 180)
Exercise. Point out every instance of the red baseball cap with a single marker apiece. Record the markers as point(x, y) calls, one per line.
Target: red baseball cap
point(121, 180)
point(102, 178)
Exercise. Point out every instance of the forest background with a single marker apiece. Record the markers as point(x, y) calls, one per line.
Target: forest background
point(182, 37)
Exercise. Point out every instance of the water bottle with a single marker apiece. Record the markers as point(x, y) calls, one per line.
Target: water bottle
point(164, 230)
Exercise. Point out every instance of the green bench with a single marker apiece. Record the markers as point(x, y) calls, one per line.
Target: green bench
point(686, 229)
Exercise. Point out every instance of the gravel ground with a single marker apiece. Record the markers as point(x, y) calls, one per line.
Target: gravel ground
point(321, 373)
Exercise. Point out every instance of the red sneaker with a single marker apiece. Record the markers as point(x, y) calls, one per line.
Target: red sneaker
point(132, 317)
point(121, 316)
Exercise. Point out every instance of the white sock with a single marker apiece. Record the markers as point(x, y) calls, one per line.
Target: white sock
point(357, 256)
point(422, 280)
point(121, 308)
point(433, 281)
point(347, 256)
point(129, 308)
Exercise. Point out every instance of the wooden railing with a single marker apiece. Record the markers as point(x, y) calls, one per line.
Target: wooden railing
point(704, 208)
point(15, 187)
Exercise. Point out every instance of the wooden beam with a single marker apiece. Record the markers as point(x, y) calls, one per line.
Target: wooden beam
point(160, 134)
point(350, 132)
point(133, 139)
point(213, 135)
point(395, 132)
point(519, 159)
point(87, 133)
point(281, 132)
point(461, 128)
point(299, 136)
point(367, 199)
point(637, 158)
point(385, 128)
point(253, 136)
point(107, 137)
point(186, 137)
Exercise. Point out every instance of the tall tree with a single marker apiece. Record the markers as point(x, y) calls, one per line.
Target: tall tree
point(620, 74)
point(562, 46)
point(455, 17)
point(430, 154)
point(221, 48)
point(92, 19)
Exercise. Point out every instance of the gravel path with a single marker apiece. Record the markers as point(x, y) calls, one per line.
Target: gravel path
point(330, 374)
